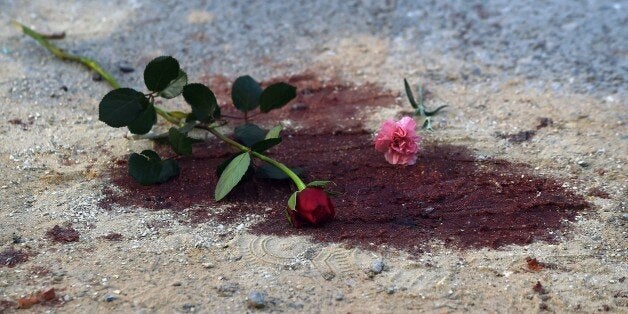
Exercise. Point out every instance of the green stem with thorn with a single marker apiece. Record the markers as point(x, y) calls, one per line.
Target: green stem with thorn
point(293, 176)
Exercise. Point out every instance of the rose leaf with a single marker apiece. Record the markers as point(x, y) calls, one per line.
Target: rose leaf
point(160, 72)
point(276, 96)
point(121, 106)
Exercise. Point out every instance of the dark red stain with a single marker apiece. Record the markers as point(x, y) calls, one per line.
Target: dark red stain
point(11, 257)
point(449, 195)
point(63, 234)
point(524, 136)
point(538, 288)
point(24, 125)
point(6, 305)
point(598, 192)
point(534, 264)
point(46, 298)
point(113, 237)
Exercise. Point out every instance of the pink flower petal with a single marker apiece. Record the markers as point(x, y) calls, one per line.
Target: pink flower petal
point(399, 141)
point(407, 124)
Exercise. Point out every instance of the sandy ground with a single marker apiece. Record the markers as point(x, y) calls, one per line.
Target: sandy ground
point(499, 66)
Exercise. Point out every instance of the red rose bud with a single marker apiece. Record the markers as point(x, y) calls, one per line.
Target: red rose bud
point(313, 208)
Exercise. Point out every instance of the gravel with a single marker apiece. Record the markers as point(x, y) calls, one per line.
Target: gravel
point(576, 44)
point(563, 45)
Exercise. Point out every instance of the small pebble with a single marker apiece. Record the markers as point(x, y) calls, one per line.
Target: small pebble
point(624, 216)
point(125, 67)
point(227, 289)
point(96, 77)
point(299, 107)
point(391, 289)
point(17, 239)
point(328, 276)
point(583, 163)
point(208, 265)
point(378, 266)
point(188, 307)
point(110, 298)
point(296, 306)
point(339, 296)
point(257, 300)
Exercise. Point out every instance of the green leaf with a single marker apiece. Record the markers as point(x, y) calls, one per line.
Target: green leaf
point(246, 93)
point(121, 106)
point(292, 202)
point(232, 175)
point(271, 172)
point(169, 169)
point(276, 96)
point(410, 95)
point(249, 134)
point(144, 121)
point(160, 72)
point(144, 169)
point(265, 144)
point(223, 165)
point(202, 100)
point(150, 155)
point(175, 87)
point(274, 132)
point(180, 142)
point(318, 184)
point(147, 168)
point(217, 112)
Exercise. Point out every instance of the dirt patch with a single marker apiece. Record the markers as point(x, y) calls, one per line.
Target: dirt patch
point(448, 196)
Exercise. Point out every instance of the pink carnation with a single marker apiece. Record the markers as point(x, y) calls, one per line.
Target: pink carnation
point(399, 141)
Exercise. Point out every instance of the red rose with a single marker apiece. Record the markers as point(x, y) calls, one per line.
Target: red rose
point(313, 207)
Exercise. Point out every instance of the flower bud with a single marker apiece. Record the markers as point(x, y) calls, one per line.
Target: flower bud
point(313, 207)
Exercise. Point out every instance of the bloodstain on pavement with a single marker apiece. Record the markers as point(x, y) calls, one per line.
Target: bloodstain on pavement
point(63, 234)
point(448, 196)
point(46, 297)
point(113, 237)
point(6, 305)
point(534, 265)
point(11, 257)
point(524, 136)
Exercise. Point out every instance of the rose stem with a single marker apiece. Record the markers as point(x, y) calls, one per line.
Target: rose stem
point(91, 64)
point(41, 39)
point(295, 178)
